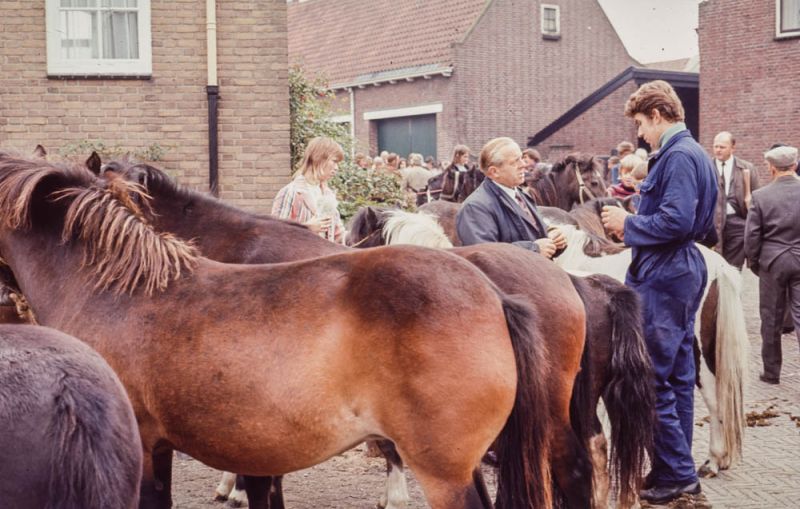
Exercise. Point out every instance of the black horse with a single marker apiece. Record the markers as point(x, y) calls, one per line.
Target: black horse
point(454, 185)
point(69, 436)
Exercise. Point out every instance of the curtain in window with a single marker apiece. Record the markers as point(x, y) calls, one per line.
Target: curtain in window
point(790, 15)
point(94, 29)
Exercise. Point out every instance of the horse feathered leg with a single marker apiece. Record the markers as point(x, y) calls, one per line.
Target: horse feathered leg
point(225, 486)
point(396, 494)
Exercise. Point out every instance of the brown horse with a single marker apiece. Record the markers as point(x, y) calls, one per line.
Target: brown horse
point(615, 363)
point(226, 233)
point(572, 181)
point(453, 185)
point(180, 330)
point(69, 434)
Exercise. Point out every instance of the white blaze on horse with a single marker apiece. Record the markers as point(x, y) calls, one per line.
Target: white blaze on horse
point(722, 343)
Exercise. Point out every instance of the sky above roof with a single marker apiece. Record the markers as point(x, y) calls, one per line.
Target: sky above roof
point(655, 30)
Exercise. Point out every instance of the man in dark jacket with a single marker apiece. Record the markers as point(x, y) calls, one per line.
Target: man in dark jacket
point(500, 212)
point(737, 180)
point(667, 270)
point(772, 246)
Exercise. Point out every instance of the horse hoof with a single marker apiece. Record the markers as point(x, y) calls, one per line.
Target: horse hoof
point(220, 498)
point(706, 471)
point(234, 503)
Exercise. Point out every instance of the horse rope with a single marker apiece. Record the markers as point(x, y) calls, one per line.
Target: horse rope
point(366, 238)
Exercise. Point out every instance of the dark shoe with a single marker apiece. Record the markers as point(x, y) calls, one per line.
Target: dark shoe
point(768, 379)
point(787, 330)
point(663, 494)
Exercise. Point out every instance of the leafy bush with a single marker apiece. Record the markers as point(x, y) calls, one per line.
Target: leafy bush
point(357, 187)
point(82, 148)
point(309, 110)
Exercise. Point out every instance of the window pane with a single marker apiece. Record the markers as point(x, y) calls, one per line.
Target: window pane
point(79, 35)
point(118, 3)
point(78, 3)
point(120, 35)
point(549, 20)
point(790, 15)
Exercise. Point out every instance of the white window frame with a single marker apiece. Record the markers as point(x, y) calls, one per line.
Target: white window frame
point(58, 66)
point(783, 34)
point(546, 33)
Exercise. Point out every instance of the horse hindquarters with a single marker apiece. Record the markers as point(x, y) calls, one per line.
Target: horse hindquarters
point(622, 370)
point(522, 447)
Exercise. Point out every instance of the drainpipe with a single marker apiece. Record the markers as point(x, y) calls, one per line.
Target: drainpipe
point(212, 93)
point(352, 123)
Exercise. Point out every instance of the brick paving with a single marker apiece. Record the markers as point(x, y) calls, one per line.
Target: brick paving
point(769, 474)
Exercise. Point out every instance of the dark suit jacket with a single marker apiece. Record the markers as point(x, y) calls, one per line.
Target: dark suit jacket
point(736, 192)
point(490, 215)
point(772, 226)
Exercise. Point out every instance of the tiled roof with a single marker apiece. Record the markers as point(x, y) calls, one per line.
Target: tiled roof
point(349, 40)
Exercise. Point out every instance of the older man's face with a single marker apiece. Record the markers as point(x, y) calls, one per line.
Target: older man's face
point(511, 171)
point(723, 148)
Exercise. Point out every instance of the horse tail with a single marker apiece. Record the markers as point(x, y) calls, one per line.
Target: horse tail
point(97, 454)
point(523, 478)
point(629, 395)
point(732, 351)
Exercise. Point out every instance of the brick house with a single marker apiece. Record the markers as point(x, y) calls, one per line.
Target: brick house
point(750, 53)
point(596, 123)
point(480, 68)
point(143, 80)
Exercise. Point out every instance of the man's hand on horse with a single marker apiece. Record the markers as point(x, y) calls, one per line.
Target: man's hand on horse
point(614, 219)
point(555, 234)
point(547, 247)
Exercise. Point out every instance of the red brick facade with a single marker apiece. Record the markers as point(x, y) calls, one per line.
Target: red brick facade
point(170, 108)
point(597, 130)
point(506, 80)
point(749, 79)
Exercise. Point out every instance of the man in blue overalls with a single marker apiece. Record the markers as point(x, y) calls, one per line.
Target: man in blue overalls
point(677, 206)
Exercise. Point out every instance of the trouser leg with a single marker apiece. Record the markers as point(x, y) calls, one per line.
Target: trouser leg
point(733, 241)
point(670, 346)
point(772, 300)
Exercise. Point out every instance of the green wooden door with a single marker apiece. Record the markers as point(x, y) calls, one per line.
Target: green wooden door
point(404, 135)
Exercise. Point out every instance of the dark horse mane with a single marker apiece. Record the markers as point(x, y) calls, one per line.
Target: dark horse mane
point(541, 187)
point(157, 181)
point(587, 216)
point(123, 249)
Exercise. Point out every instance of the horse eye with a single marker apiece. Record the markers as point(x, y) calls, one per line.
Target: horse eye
point(188, 208)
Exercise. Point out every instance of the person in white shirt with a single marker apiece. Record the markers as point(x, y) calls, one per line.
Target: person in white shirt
point(737, 180)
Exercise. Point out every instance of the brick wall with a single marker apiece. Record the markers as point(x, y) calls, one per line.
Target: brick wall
point(749, 79)
point(597, 130)
point(511, 82)
point(169, 109)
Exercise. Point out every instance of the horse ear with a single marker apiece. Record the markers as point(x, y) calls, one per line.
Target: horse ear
point(94, 163)
point(39, 151)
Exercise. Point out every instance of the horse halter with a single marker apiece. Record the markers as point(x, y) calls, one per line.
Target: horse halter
point(372, 234)
point(582, 189)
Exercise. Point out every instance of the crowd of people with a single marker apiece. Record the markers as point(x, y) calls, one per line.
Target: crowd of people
point(682, 197)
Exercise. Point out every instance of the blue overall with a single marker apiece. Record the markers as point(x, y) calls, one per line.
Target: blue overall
point(667, 270)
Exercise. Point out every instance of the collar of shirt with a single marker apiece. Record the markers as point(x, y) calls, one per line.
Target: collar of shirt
point(669, 133)
point(510, 191)
point(461, 167)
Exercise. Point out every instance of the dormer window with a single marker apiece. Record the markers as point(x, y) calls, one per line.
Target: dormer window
point(551, 22)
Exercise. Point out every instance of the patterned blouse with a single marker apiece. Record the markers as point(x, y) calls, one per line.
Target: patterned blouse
point(301, 201)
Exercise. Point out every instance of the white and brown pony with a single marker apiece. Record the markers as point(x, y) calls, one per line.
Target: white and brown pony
point(722, 345)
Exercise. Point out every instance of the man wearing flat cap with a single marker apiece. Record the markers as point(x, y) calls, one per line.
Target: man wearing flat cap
point(772, 247)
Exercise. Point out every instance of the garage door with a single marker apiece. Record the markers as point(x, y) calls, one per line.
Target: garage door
point(403, 135)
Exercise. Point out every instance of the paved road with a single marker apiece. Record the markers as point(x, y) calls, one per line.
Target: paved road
point(768, 477)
